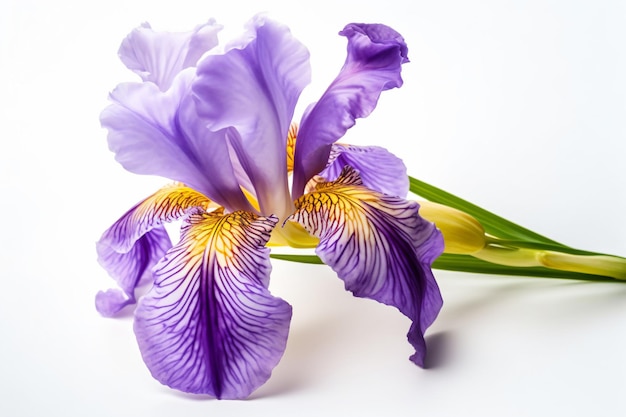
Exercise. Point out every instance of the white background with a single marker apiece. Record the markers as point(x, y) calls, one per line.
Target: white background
point(518, 106)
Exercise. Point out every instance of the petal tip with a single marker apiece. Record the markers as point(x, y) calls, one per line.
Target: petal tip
point(378, 34)
point(418, 359)
point(111, 302)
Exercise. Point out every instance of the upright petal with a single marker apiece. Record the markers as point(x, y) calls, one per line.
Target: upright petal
point(254, 88)
point(210, 325)
point(159, 56)
point(159, 133)
point(380, 170)
point(132, 245)
point(373, 65)
point(379, 246)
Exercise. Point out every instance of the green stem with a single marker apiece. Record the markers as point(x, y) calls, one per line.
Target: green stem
point(524, 256)
point(470, 264)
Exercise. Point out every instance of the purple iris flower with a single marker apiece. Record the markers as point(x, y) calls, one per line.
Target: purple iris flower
point(219, 123)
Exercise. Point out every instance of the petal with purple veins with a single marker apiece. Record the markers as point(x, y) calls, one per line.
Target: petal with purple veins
point(133, 244)
point(159, 56)
point(379, 246)
point(380, 170)
point(210, 325)
point(373, 65)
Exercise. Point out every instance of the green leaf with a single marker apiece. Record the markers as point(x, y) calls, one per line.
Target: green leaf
point(493, 224)
point(519, 244)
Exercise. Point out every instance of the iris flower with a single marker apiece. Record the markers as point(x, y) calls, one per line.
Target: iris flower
point(218, 121)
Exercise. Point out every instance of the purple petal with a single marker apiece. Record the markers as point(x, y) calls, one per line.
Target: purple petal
point(373, 65)
point(254, 88)
point(379, 246)
point(210, 325)
point(129, 269)
point(380, 170)
point(132, 245)
point(159, 56)
point(159, 133)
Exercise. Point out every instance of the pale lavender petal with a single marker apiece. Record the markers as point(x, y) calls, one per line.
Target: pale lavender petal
point(111, 301)
point(254, 88)
point(380, 170)
point(379, 246)
point(159, 133)
point(133, 244)
point(373, 65)
point(129, 269)
point(159, 56)
point(210, 325)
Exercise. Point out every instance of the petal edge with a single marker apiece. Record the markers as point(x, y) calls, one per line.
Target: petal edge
point(159, 56)
point(380, 170)
point(379, 246)
point(136, 241)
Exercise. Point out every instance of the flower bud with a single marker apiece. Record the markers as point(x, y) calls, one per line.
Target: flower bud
point(462, 233)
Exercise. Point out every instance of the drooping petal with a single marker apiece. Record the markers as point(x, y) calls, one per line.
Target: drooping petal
point(159, 56)
point(373, 65)
point(379, 246)
point(210, 325)
point(133, 244)
point(159, 133)
point(380, 170)
point(129, 269)
point(253, 88)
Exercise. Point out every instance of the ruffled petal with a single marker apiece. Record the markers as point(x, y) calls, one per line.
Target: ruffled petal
point(373, 65)
point(380, 170)
point(253, 88)
point(159, 133)
point(132, 245)
point(159, 56)
point(129, 269)
point(210, 325)
point(379, 246)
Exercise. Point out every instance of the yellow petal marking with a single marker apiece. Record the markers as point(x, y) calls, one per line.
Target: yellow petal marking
point(344, 201)
point(224, 236)
point(170, 202)
point(291, 145)
point(251, 198)
point(167, 204)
